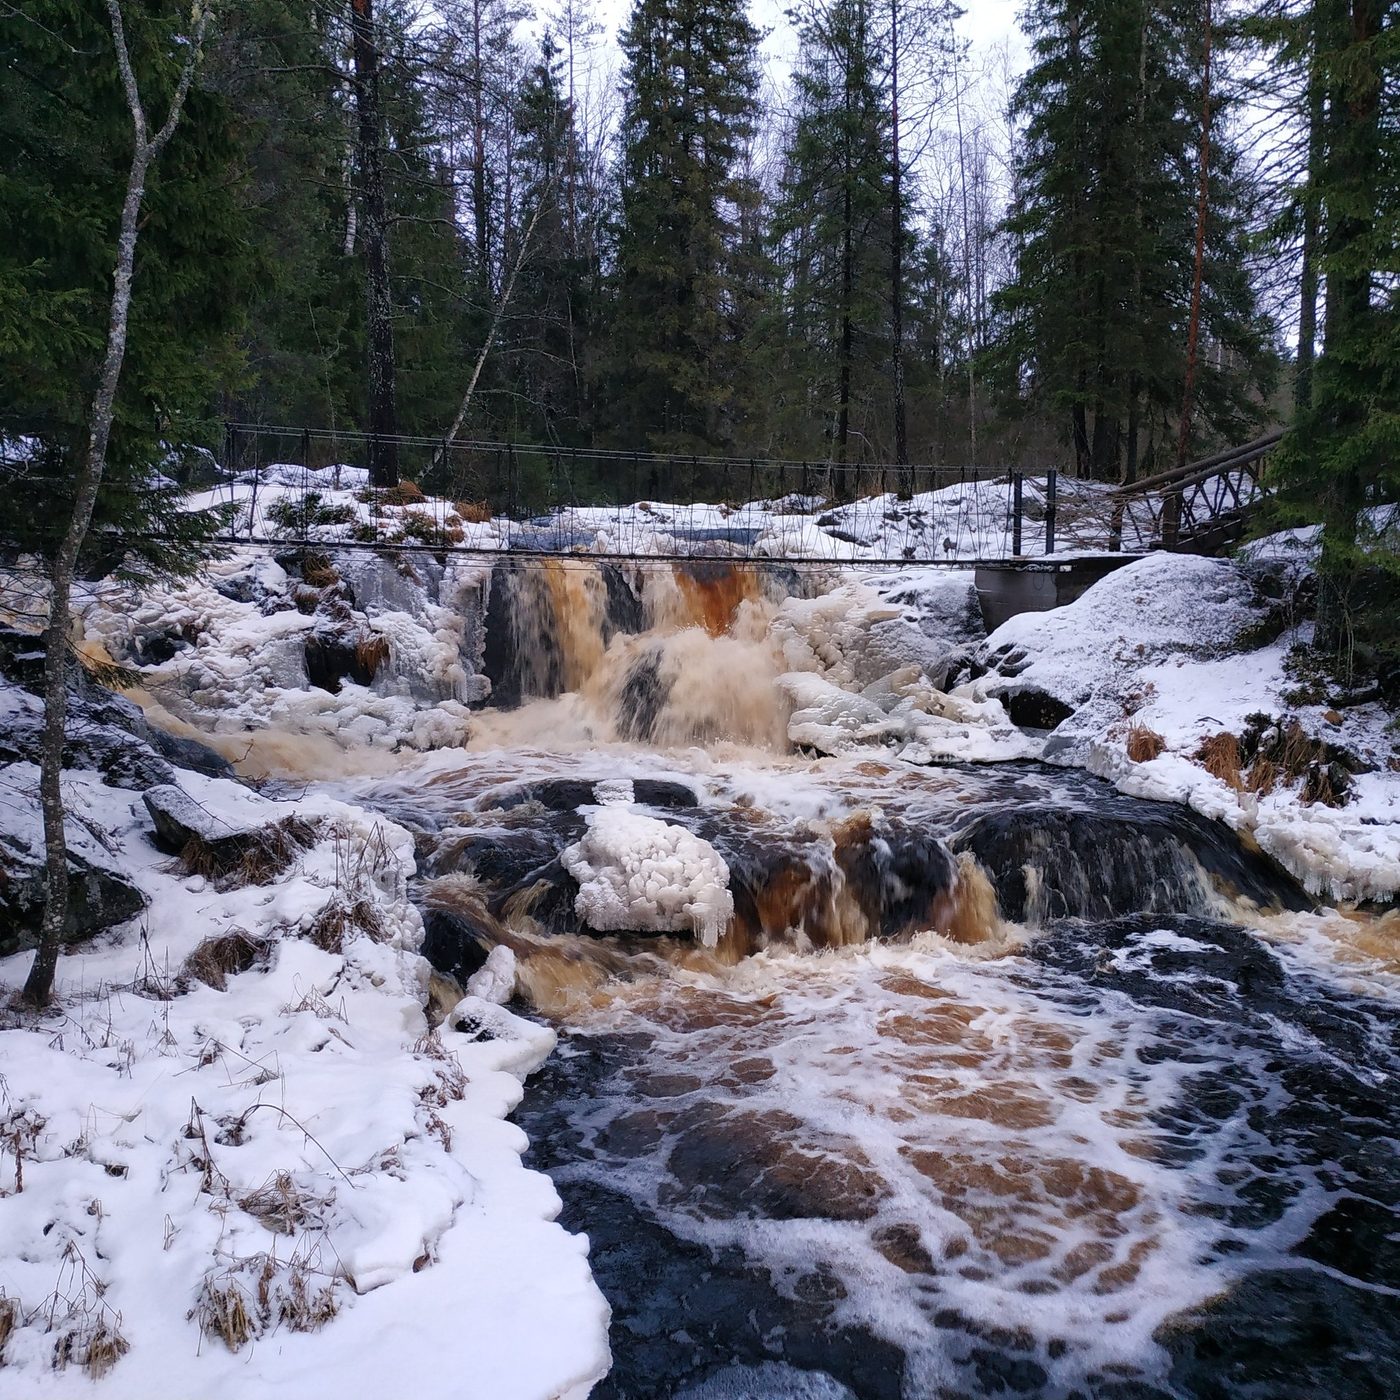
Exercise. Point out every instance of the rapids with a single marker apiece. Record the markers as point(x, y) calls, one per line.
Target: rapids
point(994, 1083)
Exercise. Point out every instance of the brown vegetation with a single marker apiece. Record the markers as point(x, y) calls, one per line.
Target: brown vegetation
point(1220, 757)
point(1144, 744)
point(223, 955)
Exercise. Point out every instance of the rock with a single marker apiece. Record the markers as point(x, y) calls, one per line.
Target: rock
point(99, 896)
point(1032, 708)
point(455, 942)
point(246, 838)
point(191, 754)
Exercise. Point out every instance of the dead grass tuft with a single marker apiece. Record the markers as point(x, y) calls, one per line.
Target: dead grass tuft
point(236, 863)
point(223, 955)
point(473, 512)
point(9, 1320)
point(318, 571)
point(1144, 744)
point(259, 1293)
point(1220, 757)
point(406, 493)
point(449, 1078)
point(330, 927)
point(281, 1206)
point(371, 652)
point(1262, 777)
point(222, 1312)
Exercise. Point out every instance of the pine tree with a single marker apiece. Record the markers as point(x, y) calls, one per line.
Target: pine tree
point(689, 108)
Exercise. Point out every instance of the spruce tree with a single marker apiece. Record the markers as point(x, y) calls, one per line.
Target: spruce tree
point(63, 168)
point(832, 237)
point(1341, 462)
point(689, 107)
point(1093, 325)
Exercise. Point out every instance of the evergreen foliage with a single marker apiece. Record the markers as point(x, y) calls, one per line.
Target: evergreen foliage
point(689, 108)
point(1094, 319)
point(63, 170)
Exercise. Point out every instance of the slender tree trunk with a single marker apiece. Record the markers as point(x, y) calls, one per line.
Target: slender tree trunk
point(1308, 278)
point(843, 396)
point(967, 283)
point(480, 212)
point(38, 985)
point(1130, 463)
point(901, 428)
point(1193, 331)
point(506, 293)
point(383, 408)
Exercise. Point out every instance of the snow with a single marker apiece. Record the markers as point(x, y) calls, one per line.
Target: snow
point(301, 1131)
point(635, 872)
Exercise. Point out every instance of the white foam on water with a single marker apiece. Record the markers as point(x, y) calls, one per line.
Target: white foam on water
point(967, 1139)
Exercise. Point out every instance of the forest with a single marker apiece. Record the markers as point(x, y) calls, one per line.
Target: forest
point(1160, 229)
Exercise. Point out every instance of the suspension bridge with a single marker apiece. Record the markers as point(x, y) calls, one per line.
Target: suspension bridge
point(281, 486)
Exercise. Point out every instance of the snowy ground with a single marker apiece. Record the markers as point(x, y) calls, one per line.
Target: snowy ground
point(265, 1181)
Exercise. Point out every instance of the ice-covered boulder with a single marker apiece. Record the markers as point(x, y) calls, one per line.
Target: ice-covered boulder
point(635, 872)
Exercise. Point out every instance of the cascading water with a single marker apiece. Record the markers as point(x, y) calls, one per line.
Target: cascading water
point(961, 1082)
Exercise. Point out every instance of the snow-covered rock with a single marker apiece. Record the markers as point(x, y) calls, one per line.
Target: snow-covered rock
point(635, 872)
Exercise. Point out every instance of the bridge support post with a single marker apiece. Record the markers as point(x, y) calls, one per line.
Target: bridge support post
point(1050, 511)
point(1016, 485)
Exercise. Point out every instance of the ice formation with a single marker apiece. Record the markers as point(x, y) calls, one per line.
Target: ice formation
point(635, 872)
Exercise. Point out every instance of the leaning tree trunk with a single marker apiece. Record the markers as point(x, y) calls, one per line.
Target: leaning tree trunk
point(379, 306)
point(38, 985)
point(1308, 279)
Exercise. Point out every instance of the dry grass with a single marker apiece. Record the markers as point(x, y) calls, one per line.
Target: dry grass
point(419, 525)
point(281, 1206)
point(234, 864)
point(406, 493)
point(371, 652)
point(223, 955)
point(318, 571)
point(9, 1320)
point(330, 927)
point(1144, 744)
point(1220, 757)
point(222, 1312)
point(259, 1293)
point(1262, 777)
point(473, 512)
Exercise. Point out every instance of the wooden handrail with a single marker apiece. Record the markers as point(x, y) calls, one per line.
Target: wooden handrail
point(1206, 467)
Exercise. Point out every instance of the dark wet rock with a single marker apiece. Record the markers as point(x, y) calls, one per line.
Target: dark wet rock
point(455, 942)
point(498, 858)
point(99, 895)
point(21, 658)
point(332, 658)
point(189, 753)
point(568, 794)
point(1123, 856)
point(1032, 708)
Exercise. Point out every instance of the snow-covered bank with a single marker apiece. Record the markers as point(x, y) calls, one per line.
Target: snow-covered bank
point(1165, 694)
point(237, 1159)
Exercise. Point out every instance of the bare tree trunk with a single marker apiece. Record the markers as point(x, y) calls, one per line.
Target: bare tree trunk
point(901, 428)
point(1308, 278)
point(967, 281)
point(480, 213)
point(506, 293)
point(1188, 392)
point(38, 985)
point(383, 410)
